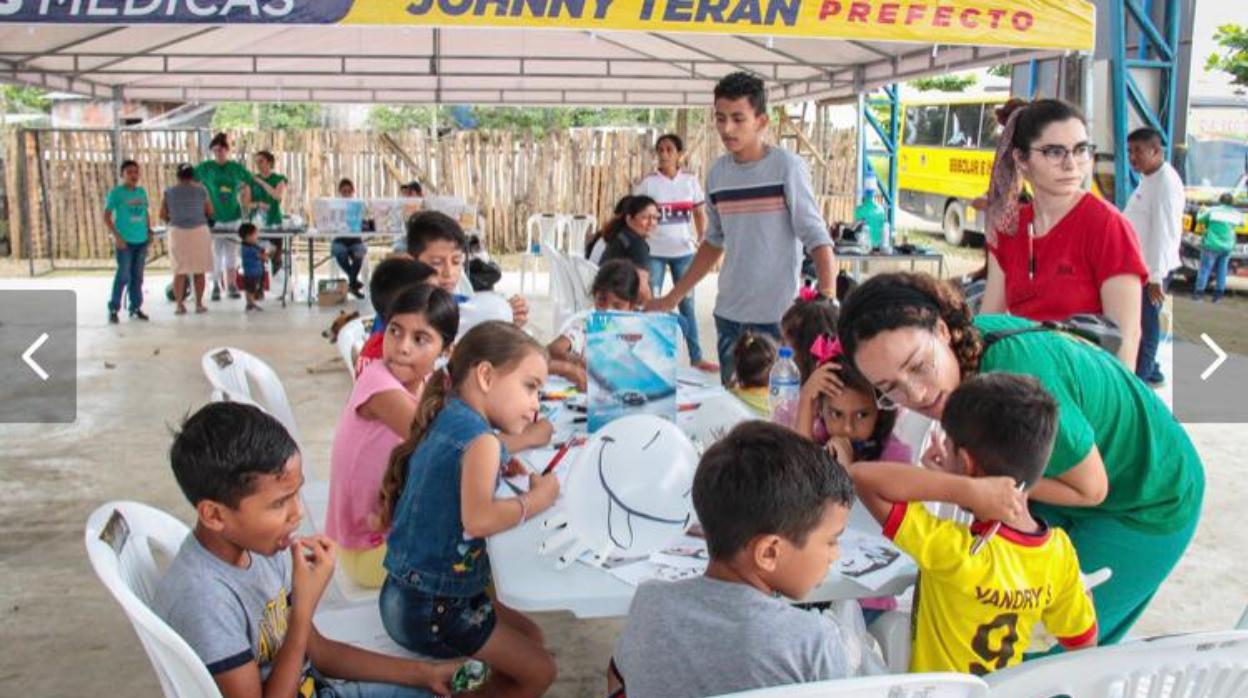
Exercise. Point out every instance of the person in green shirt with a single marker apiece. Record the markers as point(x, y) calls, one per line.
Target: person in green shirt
point(1220, 223)
point(125, 214)
point(228, 185)
point(268, 188)
point(1123, 480)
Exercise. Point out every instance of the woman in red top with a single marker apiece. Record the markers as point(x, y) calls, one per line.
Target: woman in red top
point(1068, 251)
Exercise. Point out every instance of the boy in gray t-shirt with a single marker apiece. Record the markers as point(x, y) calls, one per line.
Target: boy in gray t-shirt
point(761, 211)
point(729, 631)
point(243, 588)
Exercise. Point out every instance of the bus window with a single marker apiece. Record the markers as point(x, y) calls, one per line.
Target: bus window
point(929, 125)
point(911, 118)
point(990, 130)
point(963, 125)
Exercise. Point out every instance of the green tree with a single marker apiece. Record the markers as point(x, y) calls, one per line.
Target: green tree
point(232, 115)
point(1005, 70)
point(403, 117)
point(20, 99)
point(944, 83)
point(1233, 59)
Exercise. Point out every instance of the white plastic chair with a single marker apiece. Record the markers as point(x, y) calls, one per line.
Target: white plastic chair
point(546, 229)
point(351, 337)
point(893, 686)
point(237, 374)
point(1199, 665)
point(576, 228)
point(583, 273)
point(120, 538)
point(565, 295)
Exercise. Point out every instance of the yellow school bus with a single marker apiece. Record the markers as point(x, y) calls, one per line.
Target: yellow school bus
point(945, 159)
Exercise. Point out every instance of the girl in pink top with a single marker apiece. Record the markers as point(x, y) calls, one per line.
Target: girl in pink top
point(421, 323)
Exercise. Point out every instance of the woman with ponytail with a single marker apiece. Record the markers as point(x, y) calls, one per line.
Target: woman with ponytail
point(1068, 251)
point(437, 498)
point(1123, 478)
point(420, 324)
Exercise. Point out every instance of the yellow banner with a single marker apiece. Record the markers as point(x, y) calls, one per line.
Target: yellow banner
point(1035, 24)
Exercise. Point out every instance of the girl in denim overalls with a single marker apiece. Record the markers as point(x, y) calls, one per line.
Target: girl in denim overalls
point(438, 499)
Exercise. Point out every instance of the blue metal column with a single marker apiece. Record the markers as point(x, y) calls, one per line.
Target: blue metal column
point(888, 139)
point(1158, 51)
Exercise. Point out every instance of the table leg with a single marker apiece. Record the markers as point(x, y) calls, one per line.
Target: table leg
point(311, 275)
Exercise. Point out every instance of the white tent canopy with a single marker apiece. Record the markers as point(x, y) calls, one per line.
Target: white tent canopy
point(418, 63)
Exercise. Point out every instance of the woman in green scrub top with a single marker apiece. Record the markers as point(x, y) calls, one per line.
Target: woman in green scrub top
point(1124, 480)
point(268, 188)
point(228, 188)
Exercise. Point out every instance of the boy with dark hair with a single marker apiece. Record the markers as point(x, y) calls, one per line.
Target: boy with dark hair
point(243, 605)
point(981, 594)
point(438, 240)
point(773, 506)
point(760, 205)
point(253, 265)
point(393, 276)
point(126, 215)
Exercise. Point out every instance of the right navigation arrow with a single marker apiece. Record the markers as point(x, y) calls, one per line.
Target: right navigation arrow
point(1217, 350)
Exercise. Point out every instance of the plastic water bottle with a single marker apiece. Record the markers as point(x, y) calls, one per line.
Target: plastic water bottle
point(785, 388)
point(886, 239)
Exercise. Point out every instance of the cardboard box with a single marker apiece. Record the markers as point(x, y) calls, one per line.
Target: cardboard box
point(331, 292)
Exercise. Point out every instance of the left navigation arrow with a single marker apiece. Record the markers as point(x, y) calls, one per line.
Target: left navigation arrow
point(30, 351)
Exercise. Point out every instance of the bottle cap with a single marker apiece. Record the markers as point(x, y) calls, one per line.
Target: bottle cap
point(786, 353)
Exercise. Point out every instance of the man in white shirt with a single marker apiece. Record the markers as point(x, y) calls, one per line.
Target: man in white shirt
point(1156, 212)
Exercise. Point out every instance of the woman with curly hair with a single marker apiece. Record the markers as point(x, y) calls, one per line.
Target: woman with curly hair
point(1123, 479)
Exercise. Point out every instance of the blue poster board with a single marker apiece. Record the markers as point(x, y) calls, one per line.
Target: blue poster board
point(632, 361)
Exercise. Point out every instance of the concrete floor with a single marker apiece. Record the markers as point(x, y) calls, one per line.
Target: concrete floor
point(62, 634)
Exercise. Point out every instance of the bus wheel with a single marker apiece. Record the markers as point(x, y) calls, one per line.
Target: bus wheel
point(954, 219)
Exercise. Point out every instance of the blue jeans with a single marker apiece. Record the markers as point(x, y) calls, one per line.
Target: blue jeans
point(729, 331)
point(129, 274)
point(350, 256)
point(443, 627)
point(1146, 366)
point(1208, 260)
point(679, 265)
point(335, 688)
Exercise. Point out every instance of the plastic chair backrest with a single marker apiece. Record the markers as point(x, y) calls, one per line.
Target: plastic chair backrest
point(546, 227)
point(350, 341)
point(1199, 665)
point(892, 686)
point(576, 228)
point(583, 273)
point(563, 289)
point(120, 537)
point(234, 372)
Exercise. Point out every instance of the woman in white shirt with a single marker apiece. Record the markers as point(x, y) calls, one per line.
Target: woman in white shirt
point(672, 245)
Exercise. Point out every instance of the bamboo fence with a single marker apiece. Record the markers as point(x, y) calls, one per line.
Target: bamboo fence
point(57, 179)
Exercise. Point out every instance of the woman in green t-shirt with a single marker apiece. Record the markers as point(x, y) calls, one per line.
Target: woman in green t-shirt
point(227, 184)
point(1124, 479)
point(268, 188)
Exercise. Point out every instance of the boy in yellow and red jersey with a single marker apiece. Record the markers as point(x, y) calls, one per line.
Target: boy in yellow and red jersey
point(977, 606)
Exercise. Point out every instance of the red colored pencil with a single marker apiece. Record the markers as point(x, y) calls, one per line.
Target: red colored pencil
point(563, 451)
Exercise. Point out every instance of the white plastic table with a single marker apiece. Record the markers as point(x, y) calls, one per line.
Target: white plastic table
point(528, 581)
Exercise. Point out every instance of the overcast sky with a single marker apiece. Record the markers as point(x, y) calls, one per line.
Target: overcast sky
point(1210, 14)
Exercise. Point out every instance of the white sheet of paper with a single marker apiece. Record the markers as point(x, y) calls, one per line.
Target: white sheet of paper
point(869, 559)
